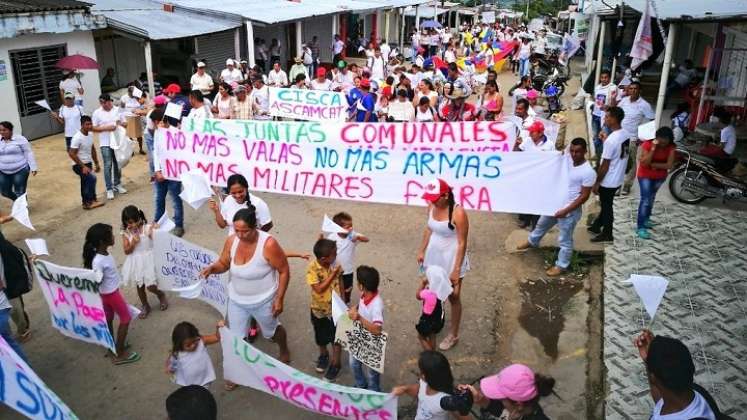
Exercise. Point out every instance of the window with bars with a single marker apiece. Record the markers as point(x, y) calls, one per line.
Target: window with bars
point(37, 78)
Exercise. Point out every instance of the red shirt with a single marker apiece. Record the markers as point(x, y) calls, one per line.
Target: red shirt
point(468, 113)
point(661, 155)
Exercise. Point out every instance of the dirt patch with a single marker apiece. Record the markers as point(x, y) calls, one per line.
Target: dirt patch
point(595, 373)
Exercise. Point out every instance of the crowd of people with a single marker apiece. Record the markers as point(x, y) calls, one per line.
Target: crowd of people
point(451, 76)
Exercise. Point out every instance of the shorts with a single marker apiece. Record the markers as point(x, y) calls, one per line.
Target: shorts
point(347, 281)
point(239, 315)
point(431, 324)
point(115, 303)
point(324, 330)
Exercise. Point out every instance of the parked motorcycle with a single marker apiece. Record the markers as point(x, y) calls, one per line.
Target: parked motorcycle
point(699, 177)
point(541, 82)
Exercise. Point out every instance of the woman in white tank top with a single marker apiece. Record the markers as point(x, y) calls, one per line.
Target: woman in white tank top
point(445, 245)
point(259, 275)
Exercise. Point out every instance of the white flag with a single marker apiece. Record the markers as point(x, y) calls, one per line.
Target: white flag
point(651, 291)
point(643, 44)
point(329, 226)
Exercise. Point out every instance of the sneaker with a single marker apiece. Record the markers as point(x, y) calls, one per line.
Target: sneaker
point(602, 238)
point(649, 224)
point(332, 373)
point(590, 229)
point(110, 194)
point(120, 189)
point(643, 234)
point(177, 231)
point(524, 246)
point(322, 363)
point(554, 271)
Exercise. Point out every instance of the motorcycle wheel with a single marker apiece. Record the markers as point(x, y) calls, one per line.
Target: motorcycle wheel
point(680, 192)
point(561, 89)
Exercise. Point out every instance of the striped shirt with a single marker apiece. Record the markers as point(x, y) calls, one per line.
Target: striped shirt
point(16, 154)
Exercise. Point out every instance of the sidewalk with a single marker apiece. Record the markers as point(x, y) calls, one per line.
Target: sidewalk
point(700, 252)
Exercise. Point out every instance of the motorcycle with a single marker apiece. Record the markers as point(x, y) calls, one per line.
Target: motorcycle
point(541, 82)
point(699, 177)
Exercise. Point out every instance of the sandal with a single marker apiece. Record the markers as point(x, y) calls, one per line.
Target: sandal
point(144, 312)
point(230, 386)
point(164, 305)
point(448, 342)
point(26, 336)
point(132, 358)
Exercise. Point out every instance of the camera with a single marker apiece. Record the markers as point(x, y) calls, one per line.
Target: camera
point(461, 401)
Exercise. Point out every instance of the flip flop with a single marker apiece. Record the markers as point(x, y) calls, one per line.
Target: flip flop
point(26, 336)
point(109, 352)
point(230, 387)
point(132, 358)
point(164, 306)
point(144, 313)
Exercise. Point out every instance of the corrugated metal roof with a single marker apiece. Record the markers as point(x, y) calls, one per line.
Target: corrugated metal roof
point(147, 19)
point(29, 6)
point(686, 9)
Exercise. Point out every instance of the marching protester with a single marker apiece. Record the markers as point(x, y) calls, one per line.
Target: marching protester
point(230, 74)
point(82, 151)
point(242, 107)
point(637, 111)
point(224, 102)
point(370, 313)
point(201, 80)
point(69, 116)
point(189, 362)
point(163, 186)
point(17, 160)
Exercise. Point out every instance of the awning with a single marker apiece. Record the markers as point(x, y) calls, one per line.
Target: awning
point(688, 9)
point(426, 12)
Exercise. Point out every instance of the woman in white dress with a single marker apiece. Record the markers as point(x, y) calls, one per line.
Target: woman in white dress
point(224, 102)
point(445, 245)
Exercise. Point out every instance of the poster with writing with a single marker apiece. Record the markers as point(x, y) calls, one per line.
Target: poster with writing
point(310, 105)
point(365, 346)
point(380, 162)
point(246, 365)
point(22, 390)
point(178, 265)
point(74, 302)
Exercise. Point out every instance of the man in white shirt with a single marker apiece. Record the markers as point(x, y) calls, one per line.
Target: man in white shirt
point(637, 111)
point(261, 54)
point(385, 50)
point(105, 121)
point(321, 82)
point(345, 79)
point(537, 140)
point(231, 74)
point(610, 173)
point(604, 92)
point(199, 109)
point(450, 54)
point(580, 181)
point(85, 161)
point(337, 48)
point(261, 99)
point(377, 64)
point(69, 116)
point(71, 84)
point(277, 77)
point(201, 80)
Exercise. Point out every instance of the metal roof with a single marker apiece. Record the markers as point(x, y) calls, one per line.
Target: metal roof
point(147, 19)
point(31, 6)
point(685, 9)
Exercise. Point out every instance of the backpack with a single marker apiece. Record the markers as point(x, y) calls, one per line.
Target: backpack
point(16, 269)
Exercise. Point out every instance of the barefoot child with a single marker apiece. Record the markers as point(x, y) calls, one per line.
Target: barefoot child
point(323, 275)
point(189, 362)
point(137, 241)
point(370, 313)
point(96, 257)
point(346, 243)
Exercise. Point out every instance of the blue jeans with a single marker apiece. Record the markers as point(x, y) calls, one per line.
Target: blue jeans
point(174, 188)
point(565, 238)
point(363, 381)
point(7, 334)
point(87, 184)
point(14, 185)
point(523, 67)
point(112, 174)
point(649, 187)
point(149, 146)
point(596, 126)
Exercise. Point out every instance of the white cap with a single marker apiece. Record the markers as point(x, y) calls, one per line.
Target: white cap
point(200, 64)
point(229, 62)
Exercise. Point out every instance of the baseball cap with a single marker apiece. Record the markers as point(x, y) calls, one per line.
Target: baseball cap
point(69, 95)
point(365, 83)
point(435, 189)
point(105, 97)
point(239, 88)
point(321, 72)
point(342, 64)
point(532, 94)
point(536, 126)
point(201, 64)
point(515, 382)
point(229, 62)
point(160, 100)
point(173, 88)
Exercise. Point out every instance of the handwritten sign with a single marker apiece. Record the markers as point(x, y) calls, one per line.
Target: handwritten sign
point(178, 265)
point(74, 302)
point(245, 365)
point(366, 347)
point(22, 390)
point(379, 162)
point(310, 105)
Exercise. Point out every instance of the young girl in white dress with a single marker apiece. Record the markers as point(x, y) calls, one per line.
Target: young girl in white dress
point(189, 362)
point(138, 267)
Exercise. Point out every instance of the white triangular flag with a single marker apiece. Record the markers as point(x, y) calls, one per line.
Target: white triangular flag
point(173, 110)
point(44, 104)
point(643, 42)
point(651, 290)
point(165, 224)
point(189, 292)
point(328, 226)
point(137, 93)
point(339, 308)
point(197, 189)
point(134, 311)
point(37, 246)
point(647, 131)
point(20, 211)
point(438, 281)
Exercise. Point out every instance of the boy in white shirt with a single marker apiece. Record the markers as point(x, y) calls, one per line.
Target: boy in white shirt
point(346, 244)
point(604, 92)
point(85, 161)
point(370, 313)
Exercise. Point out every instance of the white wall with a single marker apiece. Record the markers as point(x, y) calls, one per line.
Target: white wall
point(77, 43)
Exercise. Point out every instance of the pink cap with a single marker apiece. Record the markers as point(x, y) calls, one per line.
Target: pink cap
point(532, 94)
point(435, 189)
point(429, 301)
point(160, 100)
point(515, 382)
point(536, 126)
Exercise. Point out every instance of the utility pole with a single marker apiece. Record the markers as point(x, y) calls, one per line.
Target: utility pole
point(528, 10)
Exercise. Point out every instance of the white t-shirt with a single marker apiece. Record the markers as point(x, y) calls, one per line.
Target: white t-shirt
point(83, 143)
point(635, 113)
point(202, 83)
point(698, 409)
point(71, 115)
point(277, 78)
point(385, 50)
point(106, 265)
point(337, 47)
point(614, 150)
point(71, 85)
point(449, 56)
point(345, 251)
point(729, 139)
point(429, 406)
point(402, 111)
point(229, 76)
point(194, 367)
point(374, 311)
point(602, 98)
point(578, 177)
point(104, 118)
point(261, 97)
point(201, 112)
point(229, 208)
point(525, 50)
point(324, 85)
